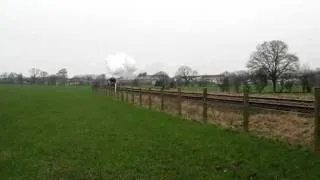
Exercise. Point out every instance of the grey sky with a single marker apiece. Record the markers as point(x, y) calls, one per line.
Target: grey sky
point(210, 36)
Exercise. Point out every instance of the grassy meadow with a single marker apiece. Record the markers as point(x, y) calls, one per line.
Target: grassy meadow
point(73, 133)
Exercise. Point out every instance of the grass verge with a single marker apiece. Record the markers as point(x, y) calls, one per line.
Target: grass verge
point(72, 133)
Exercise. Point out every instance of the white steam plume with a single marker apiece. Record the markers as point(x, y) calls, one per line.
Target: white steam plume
point(120, 65)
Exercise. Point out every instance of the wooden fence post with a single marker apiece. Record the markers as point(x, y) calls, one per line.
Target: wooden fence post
point(162, 99)
point(105, 91)
point(118, 94)
point(205, 106)
point(245, 110)
point(317, 120)
point(179, 101)
point(122, 95)
point(140, 97)
point(132, 96)
point(111, 91)
point(149, 99)
point(127, 95)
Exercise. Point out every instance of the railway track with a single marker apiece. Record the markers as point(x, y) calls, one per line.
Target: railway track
point(267, 103)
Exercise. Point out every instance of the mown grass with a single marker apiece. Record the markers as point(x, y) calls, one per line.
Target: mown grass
point(72, 133)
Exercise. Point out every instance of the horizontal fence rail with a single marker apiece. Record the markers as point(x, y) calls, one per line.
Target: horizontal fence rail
point(267, 103)
point(243, 103)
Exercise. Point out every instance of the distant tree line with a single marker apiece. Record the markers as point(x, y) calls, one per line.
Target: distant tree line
point(40, 77)
point(37, 76)
point(11, 78)
point(271, 63)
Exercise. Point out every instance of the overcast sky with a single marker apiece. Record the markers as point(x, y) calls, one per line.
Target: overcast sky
point(210, 36)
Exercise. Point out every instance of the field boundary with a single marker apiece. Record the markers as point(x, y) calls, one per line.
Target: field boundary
point(244, 103)
point(268, 103)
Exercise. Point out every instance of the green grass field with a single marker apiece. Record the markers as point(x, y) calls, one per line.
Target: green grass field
point(73, 133)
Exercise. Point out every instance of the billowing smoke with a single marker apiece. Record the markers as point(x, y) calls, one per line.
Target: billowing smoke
point(120, 65)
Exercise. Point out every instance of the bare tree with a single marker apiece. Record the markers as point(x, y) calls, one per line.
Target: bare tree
point(259, 80)
point(273, 58)
point(307, 78)
point(20, 78)
point(317, 77)
point(186, 73)
point(224, 82)
point(3, 78)
point(12, 78)
point(63, 72)
point(238, 78)
point(52, 79)
point(43, 75)
point(34, 74)
point(163, 79)
point(286, 82)
point(63, 75)
point(4, 75)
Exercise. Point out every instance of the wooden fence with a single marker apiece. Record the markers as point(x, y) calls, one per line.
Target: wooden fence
point(246, 103)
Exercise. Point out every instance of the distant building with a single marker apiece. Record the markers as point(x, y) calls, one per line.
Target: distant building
point(215, 79)
point(146, 80)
